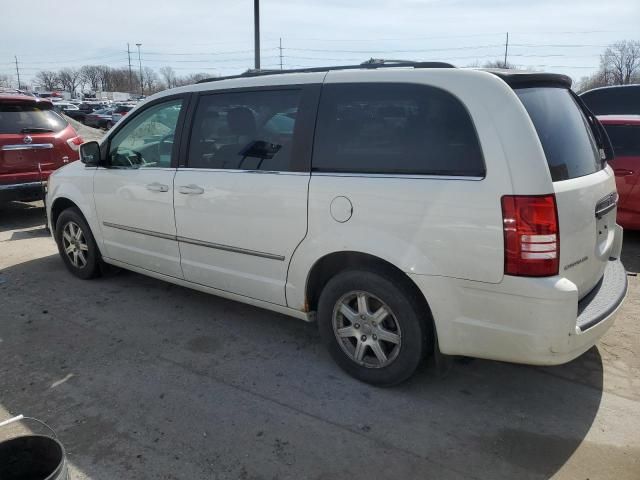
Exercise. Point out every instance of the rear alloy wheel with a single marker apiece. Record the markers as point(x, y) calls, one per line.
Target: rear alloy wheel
point(366, 329)
point(373, 325)
point(76, 245)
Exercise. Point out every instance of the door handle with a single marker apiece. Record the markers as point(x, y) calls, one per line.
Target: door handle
point(157, 187)
point(191, 190)
point(622, 172)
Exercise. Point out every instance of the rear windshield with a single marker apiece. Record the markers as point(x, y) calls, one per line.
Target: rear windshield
point(563, 131)
point(29, 118)
point(613, 100)
point(625, 139)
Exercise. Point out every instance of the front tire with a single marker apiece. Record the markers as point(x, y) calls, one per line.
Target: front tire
point(374, 329)
point(76, 245)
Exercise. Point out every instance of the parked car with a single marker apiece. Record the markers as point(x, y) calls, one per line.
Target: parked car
point(98, 118)
point(624, 132)
point(34, 141)
point(614, 100)
point(118, 112)
point(422, 212)
point(65, 107)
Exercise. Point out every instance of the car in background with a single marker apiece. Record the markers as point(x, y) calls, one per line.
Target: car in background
point(67, 108)
point(34, 141)
point(614, 100)
point(624, 133)
point(118, 112)
point(99, 118)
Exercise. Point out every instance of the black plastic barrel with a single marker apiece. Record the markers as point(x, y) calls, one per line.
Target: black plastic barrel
point(32, 457)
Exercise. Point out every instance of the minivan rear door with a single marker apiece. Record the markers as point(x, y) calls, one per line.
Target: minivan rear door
point(585, 191)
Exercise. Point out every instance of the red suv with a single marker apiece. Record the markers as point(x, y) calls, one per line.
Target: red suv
point(624, 133)
point(34, 141)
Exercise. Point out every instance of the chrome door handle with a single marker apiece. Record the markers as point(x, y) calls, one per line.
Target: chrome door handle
point(157, 187)
point(191, 190)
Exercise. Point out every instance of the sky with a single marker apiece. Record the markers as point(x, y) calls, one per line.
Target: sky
point(216, 37)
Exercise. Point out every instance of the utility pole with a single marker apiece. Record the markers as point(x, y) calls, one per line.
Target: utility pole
point(506, 50)
point(130, 74)
point(17, 71)
point(140, 62)
point(256, 32)
point(280, 47)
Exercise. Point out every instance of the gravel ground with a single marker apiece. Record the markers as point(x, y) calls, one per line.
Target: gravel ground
point(142, 379)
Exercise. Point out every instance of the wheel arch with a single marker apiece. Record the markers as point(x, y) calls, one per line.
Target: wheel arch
point(333, 263)
point(59, 205)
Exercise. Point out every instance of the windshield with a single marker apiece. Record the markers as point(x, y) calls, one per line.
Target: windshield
point(28, 118)
point(563, 130)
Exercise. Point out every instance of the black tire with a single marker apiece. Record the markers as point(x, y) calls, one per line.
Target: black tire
point(91, 267)
point(407, 313)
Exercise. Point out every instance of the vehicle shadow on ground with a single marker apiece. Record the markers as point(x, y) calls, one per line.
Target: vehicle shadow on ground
point(21, 215)
point(150, 366)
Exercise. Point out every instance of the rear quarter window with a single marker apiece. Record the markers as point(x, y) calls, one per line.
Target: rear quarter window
point(395, 128)
point(16, 117)
point(563, 130)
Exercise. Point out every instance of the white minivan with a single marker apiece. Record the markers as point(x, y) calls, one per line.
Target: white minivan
point(404, 206)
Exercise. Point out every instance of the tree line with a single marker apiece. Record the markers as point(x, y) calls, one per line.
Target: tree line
point(619, 65)
point(94, 78)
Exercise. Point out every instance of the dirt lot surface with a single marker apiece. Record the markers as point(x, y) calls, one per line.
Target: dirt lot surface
point(142, 379)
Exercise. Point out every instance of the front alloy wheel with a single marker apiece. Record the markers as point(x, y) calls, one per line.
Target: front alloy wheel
point(74, 244)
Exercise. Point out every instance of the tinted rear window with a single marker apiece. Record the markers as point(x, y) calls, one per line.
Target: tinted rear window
point(16, 117)
point(615, 100)
point(625, 139)
point(395, 128)
point(563, 131)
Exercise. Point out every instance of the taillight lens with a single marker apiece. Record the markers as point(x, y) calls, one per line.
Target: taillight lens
point(531, 235)
point(75, 143)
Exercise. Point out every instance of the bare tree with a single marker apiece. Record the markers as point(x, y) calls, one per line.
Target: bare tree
point(620, 62)
point(169, 76)
point(5, 80)
point(193, 78)
point(150, 80)
point(92, 75)
point(499, 64)
point(70, 79)
point(48, 80)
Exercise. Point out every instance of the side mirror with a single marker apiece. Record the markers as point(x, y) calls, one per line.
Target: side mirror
point(90, 154)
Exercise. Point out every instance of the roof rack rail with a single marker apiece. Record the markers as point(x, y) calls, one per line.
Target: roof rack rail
point(372, 63)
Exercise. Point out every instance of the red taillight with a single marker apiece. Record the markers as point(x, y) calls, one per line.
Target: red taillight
point(75, 143)
point(531, 235)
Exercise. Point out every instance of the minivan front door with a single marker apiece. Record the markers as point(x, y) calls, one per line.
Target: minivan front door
point(241, 200)
point(134, 193)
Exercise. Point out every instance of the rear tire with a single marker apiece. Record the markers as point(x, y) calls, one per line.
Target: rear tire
point(76, 245)
point(375, 330)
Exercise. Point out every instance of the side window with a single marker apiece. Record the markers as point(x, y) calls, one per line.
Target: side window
point(625, 139)
point(393, 128)
point(244, 130)
point(147, 140)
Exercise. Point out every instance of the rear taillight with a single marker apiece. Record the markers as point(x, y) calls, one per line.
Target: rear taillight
point(75, 143)
point(531, 235)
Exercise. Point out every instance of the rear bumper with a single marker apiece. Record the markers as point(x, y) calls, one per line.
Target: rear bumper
point(536, 321)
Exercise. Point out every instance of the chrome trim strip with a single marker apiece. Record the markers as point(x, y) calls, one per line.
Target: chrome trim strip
point(28, 146)
point(396, 175)
point(193, 241)
point(18, 186)
point(228, 248)
point(228, 170)
point(141, 231)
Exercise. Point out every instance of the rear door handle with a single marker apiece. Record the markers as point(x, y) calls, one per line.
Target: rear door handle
point(622, 172)
point(191, 190)
point(157, 187)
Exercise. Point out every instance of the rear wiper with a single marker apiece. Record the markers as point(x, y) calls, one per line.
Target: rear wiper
point(36, 130)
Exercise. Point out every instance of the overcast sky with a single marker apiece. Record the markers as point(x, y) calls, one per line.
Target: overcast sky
point(217, 36)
